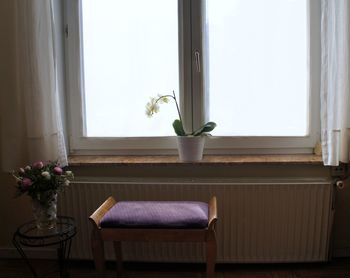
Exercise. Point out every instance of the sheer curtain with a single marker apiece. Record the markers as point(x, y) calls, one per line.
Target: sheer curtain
point(335, 86)
point(31, 126)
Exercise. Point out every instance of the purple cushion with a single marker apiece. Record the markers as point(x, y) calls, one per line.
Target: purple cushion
point(139, 214)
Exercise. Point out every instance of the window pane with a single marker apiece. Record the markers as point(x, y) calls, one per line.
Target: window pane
point(130, 54)
point(258, 67)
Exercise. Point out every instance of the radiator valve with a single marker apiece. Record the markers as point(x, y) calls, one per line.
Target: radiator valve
point(340, 184)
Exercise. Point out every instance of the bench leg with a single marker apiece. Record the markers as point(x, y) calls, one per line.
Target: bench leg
point(97, 246)
point(211, 255)
point(119, 257)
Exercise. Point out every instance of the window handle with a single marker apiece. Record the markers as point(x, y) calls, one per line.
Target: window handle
point(198, 60)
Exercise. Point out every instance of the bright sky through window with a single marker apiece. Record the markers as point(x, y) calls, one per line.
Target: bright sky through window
point(130, 54)
point(258, 67)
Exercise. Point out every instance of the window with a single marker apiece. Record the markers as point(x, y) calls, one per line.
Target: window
point(251, 66)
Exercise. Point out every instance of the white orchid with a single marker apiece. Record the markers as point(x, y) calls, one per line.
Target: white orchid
point(152, 107)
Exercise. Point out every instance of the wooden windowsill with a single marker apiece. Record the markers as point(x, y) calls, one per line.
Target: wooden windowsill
point(98, 160)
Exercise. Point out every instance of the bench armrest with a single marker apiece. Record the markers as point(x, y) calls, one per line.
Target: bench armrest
point(96, 217)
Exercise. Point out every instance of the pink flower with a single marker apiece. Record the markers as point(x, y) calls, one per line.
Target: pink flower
point(38, 164)
point(26, 183)
point(58, 170)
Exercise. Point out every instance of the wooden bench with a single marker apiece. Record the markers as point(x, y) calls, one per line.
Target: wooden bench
point(146, 221)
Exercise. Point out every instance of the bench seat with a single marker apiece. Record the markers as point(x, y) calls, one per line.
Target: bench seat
point(158, 221)
point(174, 215)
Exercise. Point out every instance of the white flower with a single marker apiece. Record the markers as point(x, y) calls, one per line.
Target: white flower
point(27, 168)
point(46, 175)
point(66, 183)
point(152, 107)
point(163, 99)
point(69, 173)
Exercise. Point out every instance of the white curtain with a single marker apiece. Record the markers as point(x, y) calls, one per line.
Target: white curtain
point(31, 118)
point(335, 74)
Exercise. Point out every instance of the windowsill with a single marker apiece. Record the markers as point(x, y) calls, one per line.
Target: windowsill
point(99, 160)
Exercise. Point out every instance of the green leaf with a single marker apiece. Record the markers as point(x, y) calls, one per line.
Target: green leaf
point(178, 128)
point(209, 126)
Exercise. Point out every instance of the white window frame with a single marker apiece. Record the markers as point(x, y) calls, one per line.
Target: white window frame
point(191, 82)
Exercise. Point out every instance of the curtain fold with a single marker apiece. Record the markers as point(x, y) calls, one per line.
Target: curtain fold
point(335, 85)
point(31, 126)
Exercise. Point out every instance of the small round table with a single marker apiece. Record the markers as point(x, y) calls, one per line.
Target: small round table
point(28, 235)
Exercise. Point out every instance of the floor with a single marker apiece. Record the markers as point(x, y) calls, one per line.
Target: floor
point(339, 268)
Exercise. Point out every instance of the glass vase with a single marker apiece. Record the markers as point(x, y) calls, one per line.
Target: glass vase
point(45, 210)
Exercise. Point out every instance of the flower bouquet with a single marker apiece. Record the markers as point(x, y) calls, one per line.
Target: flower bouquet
point(42, 182)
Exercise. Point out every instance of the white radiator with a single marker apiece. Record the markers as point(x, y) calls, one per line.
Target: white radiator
point(258, 220)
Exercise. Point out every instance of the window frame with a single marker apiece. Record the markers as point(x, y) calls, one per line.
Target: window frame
point(193, 93)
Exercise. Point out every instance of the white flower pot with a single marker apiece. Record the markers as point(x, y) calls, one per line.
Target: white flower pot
point(190, 148)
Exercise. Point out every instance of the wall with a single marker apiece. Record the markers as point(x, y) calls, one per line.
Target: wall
point(15, 211)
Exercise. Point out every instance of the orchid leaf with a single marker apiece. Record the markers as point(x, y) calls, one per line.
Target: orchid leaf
point(209, 126)
point(178, 128)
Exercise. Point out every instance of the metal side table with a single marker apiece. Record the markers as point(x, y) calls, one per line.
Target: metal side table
point(61, 236)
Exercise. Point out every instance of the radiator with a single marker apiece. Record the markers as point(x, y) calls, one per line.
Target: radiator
point(259, 221)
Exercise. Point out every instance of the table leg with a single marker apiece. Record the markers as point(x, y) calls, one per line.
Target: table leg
point(23, 255)
point(63, 252)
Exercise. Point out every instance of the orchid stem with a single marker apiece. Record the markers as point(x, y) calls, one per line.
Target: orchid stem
point(177, 105)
